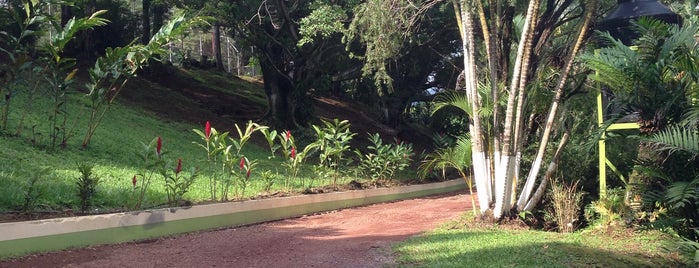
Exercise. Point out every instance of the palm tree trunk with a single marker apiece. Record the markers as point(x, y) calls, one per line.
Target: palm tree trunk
point(536, 165)
point(504, 173)
point(553, 166)
point(480, 158)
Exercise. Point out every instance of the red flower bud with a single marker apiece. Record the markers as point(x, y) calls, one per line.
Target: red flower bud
point(248, 175)
point(242, 163)
point(134, 181)
point(159, 145)
point(179, 166)
point(293, 152)
point(288, 135)
point(207, 130)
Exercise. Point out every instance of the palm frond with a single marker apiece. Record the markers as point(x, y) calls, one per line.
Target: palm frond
point(457, 157)
point(610, 66)
point(462, 151)
point(682, 193)
point(677, 138)
point(691, 117)
point(454, 98)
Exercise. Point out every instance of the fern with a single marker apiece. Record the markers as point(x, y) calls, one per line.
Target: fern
point(682, 193)
point(677, 138)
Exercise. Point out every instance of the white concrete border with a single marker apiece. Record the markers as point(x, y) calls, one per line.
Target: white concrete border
point(297, 206)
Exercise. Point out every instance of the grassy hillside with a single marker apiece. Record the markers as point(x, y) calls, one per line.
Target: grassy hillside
point(168, 103)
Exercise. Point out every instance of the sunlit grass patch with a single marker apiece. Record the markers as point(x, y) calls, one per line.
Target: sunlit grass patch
point(483, 246)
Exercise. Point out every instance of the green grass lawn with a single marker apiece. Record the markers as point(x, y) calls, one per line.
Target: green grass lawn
point(146, 110)
point(464, 244)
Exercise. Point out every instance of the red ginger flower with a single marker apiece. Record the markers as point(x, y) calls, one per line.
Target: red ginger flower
point(288, 135)
point(159, 145)
point(242, 163)
point(207, 130)
point(179, 166)
point(134, 181)
point(293, 152)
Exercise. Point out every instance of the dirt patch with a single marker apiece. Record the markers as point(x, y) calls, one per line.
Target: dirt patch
point(357, 237)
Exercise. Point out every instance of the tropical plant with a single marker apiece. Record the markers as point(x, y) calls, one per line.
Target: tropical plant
point(246, 168)
point(497, 147)
point(333, 141)
point(609, 210)
point(34, 189)
point(111, 71)
point(268, 178)
point(457, 157)
point(294, 158)
point(227, 152)
point(235, 166)
point(178, 183)
point(270, 136)
point(151, 156)
point(383, 160)
point(86, 185)
point(60, 72)
point(680, 191)
point(211, 143)
point(15, 49)
point(655, 76)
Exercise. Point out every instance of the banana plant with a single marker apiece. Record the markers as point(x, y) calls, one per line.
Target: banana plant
point(112, 71)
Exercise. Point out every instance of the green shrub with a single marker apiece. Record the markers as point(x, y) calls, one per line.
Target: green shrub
point(86, 185)
point(609, 210)
point(383, 160)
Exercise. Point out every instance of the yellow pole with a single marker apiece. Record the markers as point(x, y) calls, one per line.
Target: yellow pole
point(602, 149)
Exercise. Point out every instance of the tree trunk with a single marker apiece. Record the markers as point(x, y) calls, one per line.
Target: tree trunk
point(89, 41)
point(481, 171)
point(66, 14)
point(504, 172)
point(158, 17)
point(536, 165)
point(145, 22)
point(278, 89)
point(216, 45)
point(553, 166)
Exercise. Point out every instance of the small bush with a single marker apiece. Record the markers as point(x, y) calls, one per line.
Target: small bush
point(566, 201)
point(34, 189)
point(609, 210)
point(384, 160)
point(86, 185)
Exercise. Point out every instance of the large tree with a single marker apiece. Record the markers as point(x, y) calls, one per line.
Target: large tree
point(502, 41)
point(289, 67)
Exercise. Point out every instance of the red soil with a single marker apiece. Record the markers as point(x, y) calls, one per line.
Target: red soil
point(357, 237)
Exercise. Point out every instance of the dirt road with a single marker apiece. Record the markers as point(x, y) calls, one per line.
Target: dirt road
point(357, 237)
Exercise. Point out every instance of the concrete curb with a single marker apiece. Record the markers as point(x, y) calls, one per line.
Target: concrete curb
point(19, 238)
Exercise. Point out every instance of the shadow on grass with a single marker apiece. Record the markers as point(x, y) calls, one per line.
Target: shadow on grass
point(520, 249)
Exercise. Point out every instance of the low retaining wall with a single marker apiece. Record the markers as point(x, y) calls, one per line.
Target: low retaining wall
point(18, 238)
